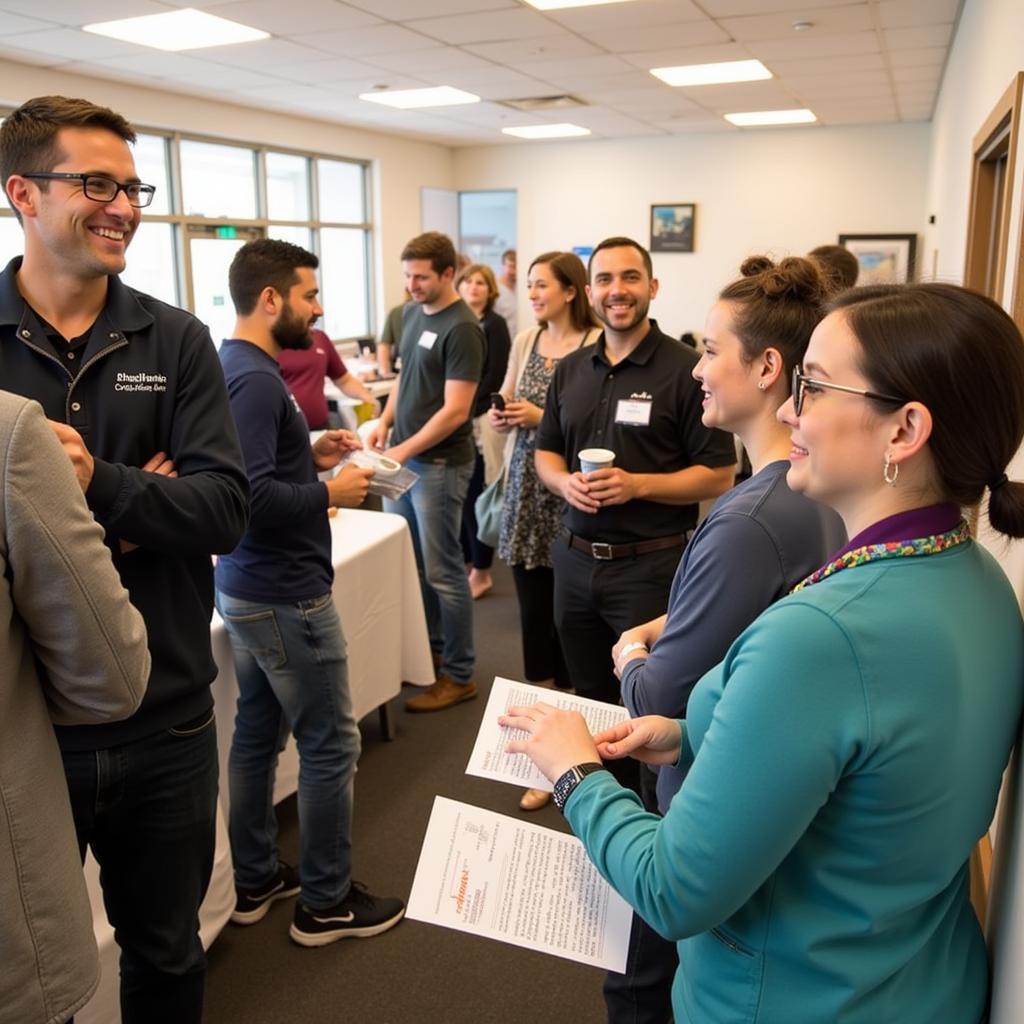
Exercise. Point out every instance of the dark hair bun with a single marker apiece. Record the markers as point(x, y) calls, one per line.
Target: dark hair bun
point(795, 278)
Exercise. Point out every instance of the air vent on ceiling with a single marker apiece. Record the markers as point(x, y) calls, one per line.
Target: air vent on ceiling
point(534, 103)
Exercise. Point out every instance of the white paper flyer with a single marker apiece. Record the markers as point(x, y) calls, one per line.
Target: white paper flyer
point(506, 879)
point(489, 759)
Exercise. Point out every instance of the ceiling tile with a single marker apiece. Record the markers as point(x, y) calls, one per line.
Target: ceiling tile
point(77, 12)
point(494, 26)
point(325, 69)
point(727, 99)
point(916, 38)
point(523, 51)
point(934, 55)
point(682, 34)
point(837, 86)
point(580, 67)
point(440, 58)
point(828, 65)
point(733, 8)
point(881, 115)
point(362, 42)
point(264, 53)
point(801, 46)
point(624, 17)
point(828, 21)
point(930, 74)
point(284, 19)
point(403, 10)
point(70, 44)
point(907, 13)
point(379, 80)
point(667, 58)
point(181, 67)
point(43, 60)
point(12, 23)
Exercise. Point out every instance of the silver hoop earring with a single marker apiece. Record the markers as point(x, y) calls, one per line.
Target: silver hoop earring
point(890, 465)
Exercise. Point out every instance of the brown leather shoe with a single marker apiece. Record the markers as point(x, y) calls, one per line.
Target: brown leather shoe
point(443, 694)
point(534, 799)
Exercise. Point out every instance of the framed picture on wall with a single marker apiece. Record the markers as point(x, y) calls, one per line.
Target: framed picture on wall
point(883, 259)
point(672, 227)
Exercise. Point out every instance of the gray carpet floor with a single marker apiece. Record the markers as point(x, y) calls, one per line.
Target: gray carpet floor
point(415, 972)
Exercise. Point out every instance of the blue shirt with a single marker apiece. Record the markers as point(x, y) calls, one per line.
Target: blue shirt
point(757, 543)
point(285, 555)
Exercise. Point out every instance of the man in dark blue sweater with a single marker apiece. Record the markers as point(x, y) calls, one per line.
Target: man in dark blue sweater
point(274, 594)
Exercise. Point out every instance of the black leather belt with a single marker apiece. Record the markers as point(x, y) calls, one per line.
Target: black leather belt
point(609, 552)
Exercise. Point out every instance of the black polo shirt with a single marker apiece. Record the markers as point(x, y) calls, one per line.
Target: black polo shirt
point(647, 409)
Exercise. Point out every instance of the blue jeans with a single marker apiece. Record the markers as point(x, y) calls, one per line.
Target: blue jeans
point(433, 510)
point(292, 673)
point(148, 811)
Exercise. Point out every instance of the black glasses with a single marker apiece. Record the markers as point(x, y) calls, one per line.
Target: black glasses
point(102, 189)
point(802, 384)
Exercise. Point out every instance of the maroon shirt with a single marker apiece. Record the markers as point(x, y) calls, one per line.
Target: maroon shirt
point(304, 373)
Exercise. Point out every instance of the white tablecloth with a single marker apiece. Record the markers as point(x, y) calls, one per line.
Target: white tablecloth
point(377, 594)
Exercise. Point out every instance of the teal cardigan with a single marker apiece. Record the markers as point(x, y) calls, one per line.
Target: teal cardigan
point(846, 756)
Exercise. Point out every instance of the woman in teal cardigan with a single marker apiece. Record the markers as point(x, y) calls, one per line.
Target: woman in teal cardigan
point(846, 755)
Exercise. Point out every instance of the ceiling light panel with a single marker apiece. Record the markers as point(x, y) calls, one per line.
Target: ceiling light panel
point(713, 74)
point(546, 131)
point(759, 118)
point(562, 5)
point(185, 29)
point(415, 99)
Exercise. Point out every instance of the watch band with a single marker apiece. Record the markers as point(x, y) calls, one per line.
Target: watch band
point(568, 781)
point(626, 651)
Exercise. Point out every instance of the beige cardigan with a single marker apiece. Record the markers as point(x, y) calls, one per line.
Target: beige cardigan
point(62, 607)
point(518, 357)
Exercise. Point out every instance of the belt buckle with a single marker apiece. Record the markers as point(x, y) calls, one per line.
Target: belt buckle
point(601, 551)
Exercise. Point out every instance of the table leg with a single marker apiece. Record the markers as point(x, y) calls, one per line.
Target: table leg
point(386, 726)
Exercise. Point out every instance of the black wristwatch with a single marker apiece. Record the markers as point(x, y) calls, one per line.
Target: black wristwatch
point(566, 783)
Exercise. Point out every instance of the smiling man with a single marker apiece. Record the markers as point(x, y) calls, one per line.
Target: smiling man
point(134, 392)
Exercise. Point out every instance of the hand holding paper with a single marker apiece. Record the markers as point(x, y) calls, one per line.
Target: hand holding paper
point(651, 739)
point(555, 741)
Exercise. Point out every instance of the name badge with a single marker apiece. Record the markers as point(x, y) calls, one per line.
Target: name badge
point(635, 412)
point(427, 339)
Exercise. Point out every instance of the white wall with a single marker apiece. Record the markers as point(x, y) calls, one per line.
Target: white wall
point(987, 53)
point(778, 190)
point(400, 166)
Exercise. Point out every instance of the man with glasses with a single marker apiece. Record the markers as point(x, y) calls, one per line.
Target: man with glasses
point(134, 391)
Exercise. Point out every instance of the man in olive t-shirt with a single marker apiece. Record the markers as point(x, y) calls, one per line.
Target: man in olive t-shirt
point(442, 353)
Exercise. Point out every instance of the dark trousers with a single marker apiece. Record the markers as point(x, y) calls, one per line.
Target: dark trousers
point(474, 551)
point(148, 811)
point(542, 650)
point(643, 995)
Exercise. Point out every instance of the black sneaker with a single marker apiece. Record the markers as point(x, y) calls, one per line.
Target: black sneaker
point(251, 905)
point(358, 916)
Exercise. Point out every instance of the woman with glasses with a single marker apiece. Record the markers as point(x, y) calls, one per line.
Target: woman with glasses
point(759, 540)
point(846, 754)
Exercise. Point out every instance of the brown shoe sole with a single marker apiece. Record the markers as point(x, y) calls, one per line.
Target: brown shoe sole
point(470, 694)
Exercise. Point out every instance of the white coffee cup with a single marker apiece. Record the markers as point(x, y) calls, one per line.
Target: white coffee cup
point(593, 459)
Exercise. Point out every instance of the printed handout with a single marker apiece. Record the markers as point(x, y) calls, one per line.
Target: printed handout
point(489, 759)
point(501, 878)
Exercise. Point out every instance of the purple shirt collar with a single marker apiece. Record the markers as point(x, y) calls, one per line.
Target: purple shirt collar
point(918, 522)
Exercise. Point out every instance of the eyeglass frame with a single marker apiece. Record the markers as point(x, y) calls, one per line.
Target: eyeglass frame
point(119, 186)
point(800, 379)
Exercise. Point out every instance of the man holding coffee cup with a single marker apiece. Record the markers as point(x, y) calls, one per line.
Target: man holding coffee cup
point(622, 441)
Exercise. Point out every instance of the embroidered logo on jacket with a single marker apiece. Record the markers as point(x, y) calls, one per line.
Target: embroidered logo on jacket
point(140, 382)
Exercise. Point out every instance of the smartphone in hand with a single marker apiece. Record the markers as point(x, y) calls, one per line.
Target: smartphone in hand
point(498, 401)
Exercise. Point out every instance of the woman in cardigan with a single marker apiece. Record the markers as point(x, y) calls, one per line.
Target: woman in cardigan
point(531, 514)
point(847, 753)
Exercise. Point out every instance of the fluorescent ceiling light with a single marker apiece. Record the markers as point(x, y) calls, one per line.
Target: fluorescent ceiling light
point(187, 29)
point(754, 118)
point(410, 99)
point(546, 131)
point(557, 5)
point(713, 74)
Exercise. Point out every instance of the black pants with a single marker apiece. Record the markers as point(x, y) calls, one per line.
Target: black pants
point(643, 995)
point(542, 650)
point(597, 600)
point(474, 551)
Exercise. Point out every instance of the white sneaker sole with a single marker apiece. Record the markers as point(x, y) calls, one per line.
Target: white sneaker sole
point(260, 912)
point(314, 939)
